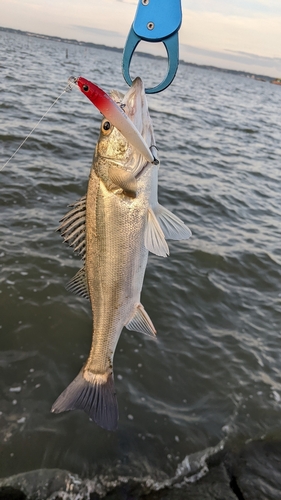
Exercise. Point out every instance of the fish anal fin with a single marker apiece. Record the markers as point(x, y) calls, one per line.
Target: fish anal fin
point(78, 284)
point(141, 322)
point(123, 179)
point(172, 227)
point(154, 238)
point(97, 399)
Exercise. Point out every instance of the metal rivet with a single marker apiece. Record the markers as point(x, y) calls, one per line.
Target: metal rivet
point(150, 26)
point(145, 2)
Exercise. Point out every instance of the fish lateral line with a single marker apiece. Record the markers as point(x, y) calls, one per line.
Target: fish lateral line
point(115, 114)
point(68, 88)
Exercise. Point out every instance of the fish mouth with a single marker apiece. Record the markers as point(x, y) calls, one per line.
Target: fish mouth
point(135, 106)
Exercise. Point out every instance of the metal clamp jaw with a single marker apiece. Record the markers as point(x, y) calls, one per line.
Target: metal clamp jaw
point(155, 21)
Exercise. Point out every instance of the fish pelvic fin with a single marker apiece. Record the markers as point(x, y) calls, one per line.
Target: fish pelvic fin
point(141, 322)
point(172, 227)
point(154, 238)
point(88, 392)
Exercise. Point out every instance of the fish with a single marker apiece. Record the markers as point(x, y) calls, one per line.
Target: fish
point(113, 228)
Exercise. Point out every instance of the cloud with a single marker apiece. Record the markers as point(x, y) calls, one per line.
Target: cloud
point(232, 55)
point(241, 8)
point(98, 31)
point(232, 59)
point(256, 57)
point(133, 2)
point(219, 32)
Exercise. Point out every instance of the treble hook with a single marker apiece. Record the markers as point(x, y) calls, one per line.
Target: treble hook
point(155, 21)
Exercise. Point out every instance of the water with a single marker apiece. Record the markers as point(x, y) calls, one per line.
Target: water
point(214, 373)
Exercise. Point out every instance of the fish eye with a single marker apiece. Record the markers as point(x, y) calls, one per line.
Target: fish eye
point(106, 125)
point(85, 88)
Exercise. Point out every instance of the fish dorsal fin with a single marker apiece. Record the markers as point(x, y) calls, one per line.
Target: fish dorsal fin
point(123, 179)
point(141, 322)
point(172, 227)
point(73, 227)
point(154, 238)
point(78, 284)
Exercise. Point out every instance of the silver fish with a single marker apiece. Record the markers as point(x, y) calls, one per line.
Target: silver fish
point(112, 228)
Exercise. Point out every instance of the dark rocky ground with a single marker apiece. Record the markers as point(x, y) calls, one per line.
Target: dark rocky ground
point(250, 472)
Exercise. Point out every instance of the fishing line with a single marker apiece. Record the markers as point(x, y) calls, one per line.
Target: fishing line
point(68, 88)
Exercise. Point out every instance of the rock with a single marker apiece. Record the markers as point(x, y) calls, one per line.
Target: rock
point(42, 484)
point(214, 486)
point(8, 493)
point(249, 472)
point(38, 484)
point(255, 470)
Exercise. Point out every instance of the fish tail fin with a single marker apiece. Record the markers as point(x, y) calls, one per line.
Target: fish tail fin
point(97, 399)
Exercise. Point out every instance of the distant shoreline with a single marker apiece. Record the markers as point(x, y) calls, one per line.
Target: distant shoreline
point(141, 54)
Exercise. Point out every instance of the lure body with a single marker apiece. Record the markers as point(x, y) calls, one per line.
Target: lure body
point(115, 114)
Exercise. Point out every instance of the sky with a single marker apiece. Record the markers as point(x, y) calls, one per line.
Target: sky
point(234, 34)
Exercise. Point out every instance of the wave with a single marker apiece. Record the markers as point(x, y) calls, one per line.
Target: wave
point(51, 484)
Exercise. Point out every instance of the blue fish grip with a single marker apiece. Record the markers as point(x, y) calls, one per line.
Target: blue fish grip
point(155, 21)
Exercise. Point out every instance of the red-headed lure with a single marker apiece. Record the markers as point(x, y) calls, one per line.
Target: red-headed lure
point(114, 114)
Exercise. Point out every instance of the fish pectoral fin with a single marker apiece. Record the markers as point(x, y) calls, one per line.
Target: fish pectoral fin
point(154, 237)
point(172, 227)
point(123, 179)
point(141, 322)
point(78, 284)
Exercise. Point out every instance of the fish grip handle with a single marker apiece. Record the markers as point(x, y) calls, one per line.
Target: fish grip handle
point(155, 21)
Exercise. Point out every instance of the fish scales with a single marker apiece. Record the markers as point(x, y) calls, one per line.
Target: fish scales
point(114, 279)
point(121, 223)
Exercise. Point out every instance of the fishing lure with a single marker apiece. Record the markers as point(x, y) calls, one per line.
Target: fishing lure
point(115, 115)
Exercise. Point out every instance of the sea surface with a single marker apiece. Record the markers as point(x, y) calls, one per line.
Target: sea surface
point(213, 376)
